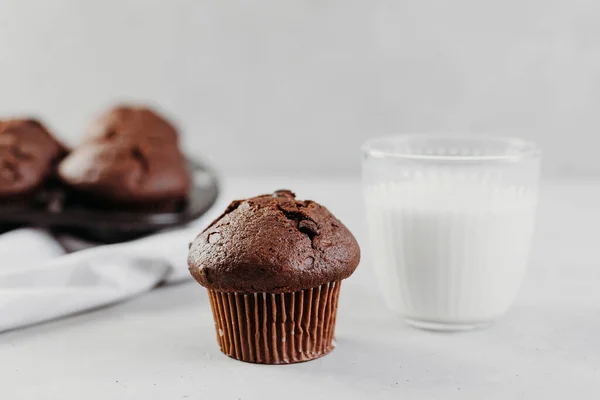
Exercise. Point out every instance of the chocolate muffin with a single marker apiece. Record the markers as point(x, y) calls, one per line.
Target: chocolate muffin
point(273, 267)
point(130, 160)
point(28, 153)
point(131, 123)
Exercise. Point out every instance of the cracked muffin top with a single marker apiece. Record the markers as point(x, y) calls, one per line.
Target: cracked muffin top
point(274, 244)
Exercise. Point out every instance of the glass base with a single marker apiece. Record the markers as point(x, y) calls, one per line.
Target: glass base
point(447, 326)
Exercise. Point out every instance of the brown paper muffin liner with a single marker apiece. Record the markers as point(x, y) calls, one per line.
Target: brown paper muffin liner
point(272, 328)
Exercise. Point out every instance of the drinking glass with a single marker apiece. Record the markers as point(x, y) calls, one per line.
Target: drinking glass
point(450, 220)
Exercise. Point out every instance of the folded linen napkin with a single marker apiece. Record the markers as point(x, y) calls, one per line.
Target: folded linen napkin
point(39, 281)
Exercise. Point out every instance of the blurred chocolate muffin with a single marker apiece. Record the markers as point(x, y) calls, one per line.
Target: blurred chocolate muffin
point(130, 123)
point(130, 159)
point(28, 154)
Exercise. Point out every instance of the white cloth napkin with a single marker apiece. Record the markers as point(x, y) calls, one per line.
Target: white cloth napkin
point(39, 281)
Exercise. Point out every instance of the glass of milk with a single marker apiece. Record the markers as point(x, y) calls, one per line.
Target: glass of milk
point(450, 221)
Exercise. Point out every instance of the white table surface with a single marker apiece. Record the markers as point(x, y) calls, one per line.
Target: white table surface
point(162, 345)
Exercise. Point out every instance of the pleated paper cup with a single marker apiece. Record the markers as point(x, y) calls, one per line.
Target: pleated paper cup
point(270, 328)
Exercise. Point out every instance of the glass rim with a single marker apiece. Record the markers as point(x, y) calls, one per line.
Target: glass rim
point(524, 148)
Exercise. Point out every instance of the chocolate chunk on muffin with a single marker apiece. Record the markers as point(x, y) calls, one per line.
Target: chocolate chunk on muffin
point(28, 154)
point(130, 160)
point(273, 267)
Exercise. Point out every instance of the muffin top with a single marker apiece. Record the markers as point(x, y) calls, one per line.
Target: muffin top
point(275, 244)
point(27, 153)
point(127, 123)
point(126, 173)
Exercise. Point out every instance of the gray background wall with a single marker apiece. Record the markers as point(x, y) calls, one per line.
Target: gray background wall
point(294, 87)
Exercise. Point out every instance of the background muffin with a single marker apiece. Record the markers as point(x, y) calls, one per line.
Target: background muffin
point(28, 153)
point(130, 159)
point(273, 267)
point(138, 124)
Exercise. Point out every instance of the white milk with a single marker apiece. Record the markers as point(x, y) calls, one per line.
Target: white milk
point(449, 253)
